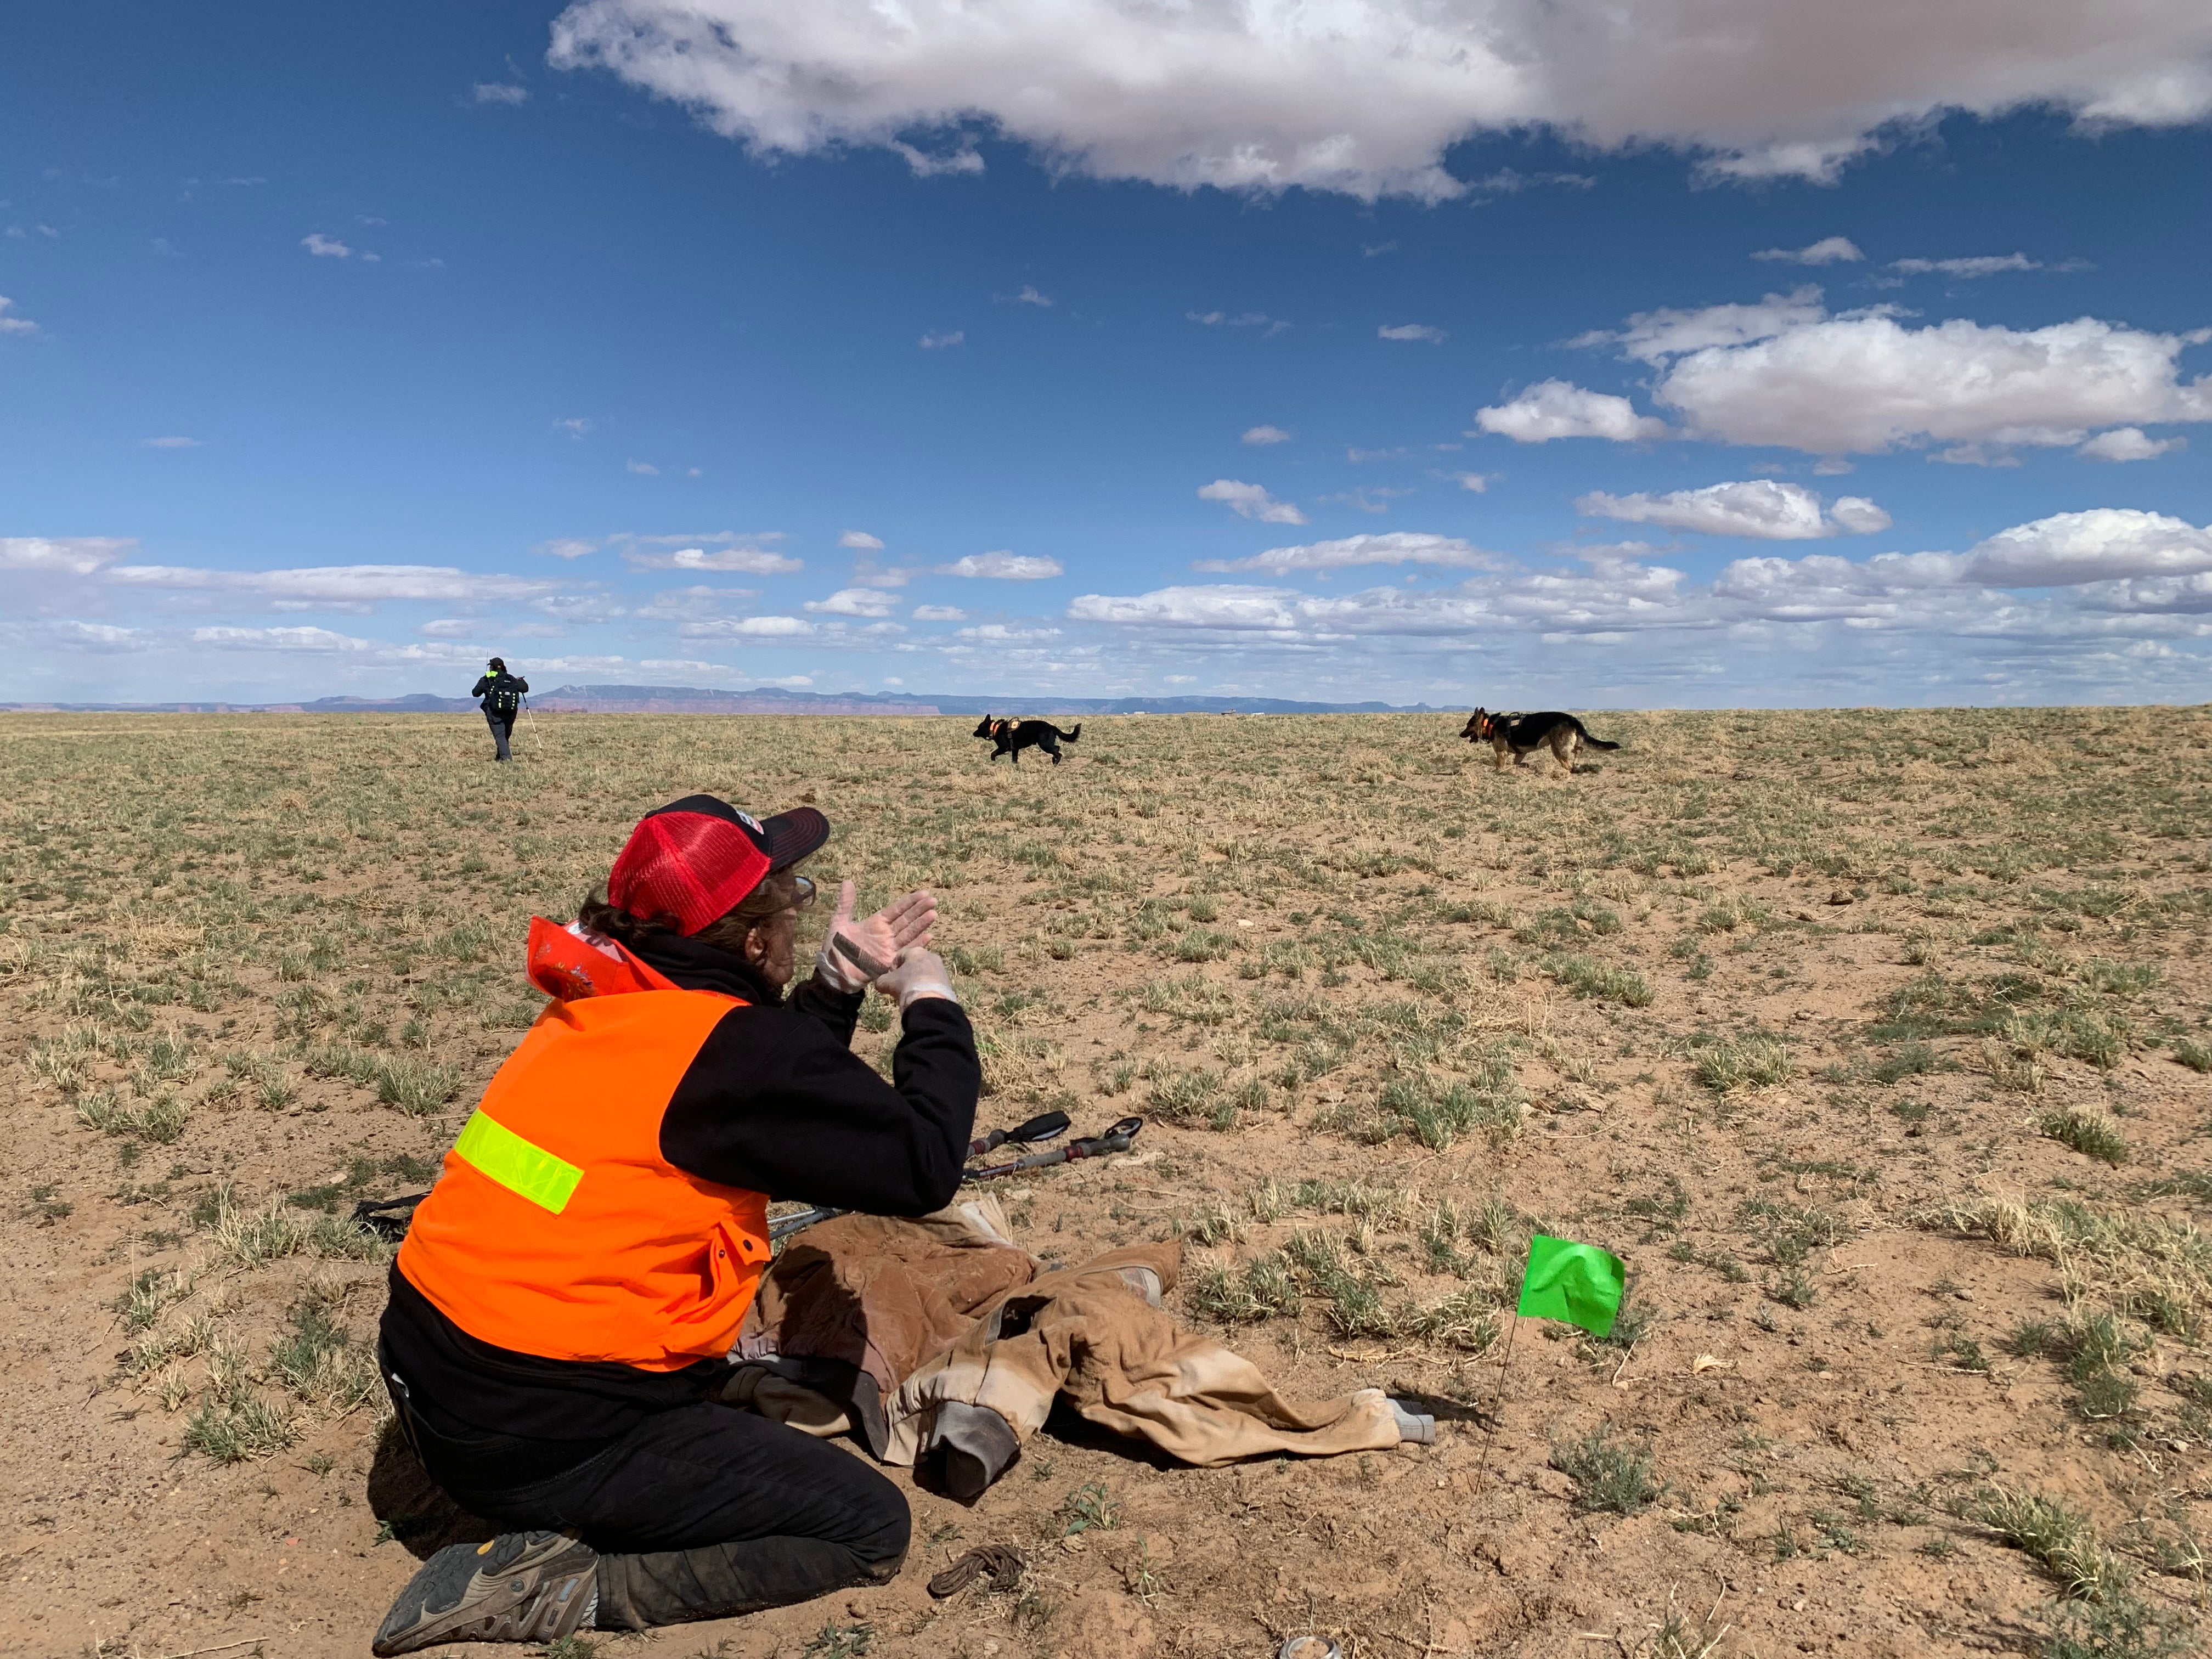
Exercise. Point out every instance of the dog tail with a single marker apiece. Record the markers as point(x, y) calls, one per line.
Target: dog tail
point(1069, 736)
point(1597, 742)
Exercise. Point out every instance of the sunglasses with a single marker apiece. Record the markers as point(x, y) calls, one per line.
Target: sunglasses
point(805, 891)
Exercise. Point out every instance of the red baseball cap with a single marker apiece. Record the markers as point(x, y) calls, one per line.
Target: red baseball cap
point(696, 858)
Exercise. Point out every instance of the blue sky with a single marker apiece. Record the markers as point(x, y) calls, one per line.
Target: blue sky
point(1201, 355)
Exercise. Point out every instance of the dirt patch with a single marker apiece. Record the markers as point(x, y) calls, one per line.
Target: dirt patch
point(1877, 1043)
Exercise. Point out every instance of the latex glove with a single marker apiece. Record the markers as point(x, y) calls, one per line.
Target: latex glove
point(855, 953)
point(920, 973)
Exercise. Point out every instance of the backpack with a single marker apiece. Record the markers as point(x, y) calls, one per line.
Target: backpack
point(502, 699)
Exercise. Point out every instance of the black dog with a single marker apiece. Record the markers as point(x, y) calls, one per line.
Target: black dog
point(1521, 735)
point(1011, 737)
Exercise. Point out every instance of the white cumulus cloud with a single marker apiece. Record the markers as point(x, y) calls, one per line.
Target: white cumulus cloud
point(1002, 633)
point(62, 556)
point(923, 165)
point(1761, 508)
point(1828, 250)
point(1865, 384)
point(745, 627)
point(2102, 545)
point(1558, 409)
point(1260, 319)
point(1653, 337)
point(1250, 501)
point(860, 542)
point(940, 613)
point(1211, 605)
point(1785, 371)
point(340, 585)
point(98, 637)
point(319, 640)
point(2128, 443)
point(325, 247)
point(872, 602)
point(1365, 96)
point(1392, 547)
point(1259, 436)
point(1002, 566)
point(944, 341)
point(640, 554)
point(1412, 331)
point(1986, 264)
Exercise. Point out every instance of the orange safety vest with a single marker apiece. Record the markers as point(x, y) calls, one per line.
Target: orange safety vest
point(557, 1228)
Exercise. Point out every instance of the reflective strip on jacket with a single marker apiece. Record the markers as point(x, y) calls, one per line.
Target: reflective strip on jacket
point(557, 1228)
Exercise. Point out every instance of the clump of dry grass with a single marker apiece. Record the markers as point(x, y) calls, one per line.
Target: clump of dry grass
point(1752, 1061)
point(2060, 1539)
point(2090, 1134)
point(2145, 1265)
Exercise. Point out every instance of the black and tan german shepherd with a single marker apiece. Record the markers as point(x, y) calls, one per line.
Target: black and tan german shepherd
point(1011, 737)
point(1521, 735)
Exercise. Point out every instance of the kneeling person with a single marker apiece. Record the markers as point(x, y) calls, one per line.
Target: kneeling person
point(562, 1310)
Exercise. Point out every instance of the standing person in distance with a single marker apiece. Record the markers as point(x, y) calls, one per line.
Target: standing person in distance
point(502, 694)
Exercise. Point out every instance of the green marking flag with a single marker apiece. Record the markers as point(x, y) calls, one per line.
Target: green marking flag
point(1578, 1283)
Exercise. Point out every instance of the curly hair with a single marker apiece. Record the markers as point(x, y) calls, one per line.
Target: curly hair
point(778, 890)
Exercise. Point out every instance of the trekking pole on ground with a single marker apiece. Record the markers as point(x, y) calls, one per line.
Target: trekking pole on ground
point(1043, 1126)
point(531, 713)
point(1116, 1139)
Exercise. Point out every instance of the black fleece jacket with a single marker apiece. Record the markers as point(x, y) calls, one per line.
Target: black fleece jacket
point(775, 1101)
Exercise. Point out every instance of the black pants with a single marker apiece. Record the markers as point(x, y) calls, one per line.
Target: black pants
point(502, 728)
point(703, 1512)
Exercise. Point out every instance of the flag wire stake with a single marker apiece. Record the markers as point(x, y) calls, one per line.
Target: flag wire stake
point(1490, 1432)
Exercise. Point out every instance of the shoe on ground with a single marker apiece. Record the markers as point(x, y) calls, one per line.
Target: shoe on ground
point(520, 1587)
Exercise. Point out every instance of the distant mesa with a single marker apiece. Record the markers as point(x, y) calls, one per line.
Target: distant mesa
point(761, 700)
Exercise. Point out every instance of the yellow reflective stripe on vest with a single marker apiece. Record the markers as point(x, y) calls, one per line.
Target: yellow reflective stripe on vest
point(530, 1171)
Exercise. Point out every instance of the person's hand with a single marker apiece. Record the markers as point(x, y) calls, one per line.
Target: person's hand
point(920, 973)
point(854, 954)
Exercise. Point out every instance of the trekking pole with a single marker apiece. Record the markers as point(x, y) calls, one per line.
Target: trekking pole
point(531, 713)
point(1043, 1126)
point(1117, 1138)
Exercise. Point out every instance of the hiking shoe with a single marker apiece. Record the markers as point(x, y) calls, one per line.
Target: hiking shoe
point(520, 1587)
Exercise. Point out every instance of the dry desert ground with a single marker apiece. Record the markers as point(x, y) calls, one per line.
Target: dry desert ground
point(1880, 1044)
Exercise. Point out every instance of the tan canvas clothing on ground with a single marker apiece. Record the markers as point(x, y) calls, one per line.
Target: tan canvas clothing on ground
point(1089, 1333)
point(854, 1306)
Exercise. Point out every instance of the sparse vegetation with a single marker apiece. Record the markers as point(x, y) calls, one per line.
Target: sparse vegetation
point(1609, 1474)
point(1089, 1508)
point(1730, 1008)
